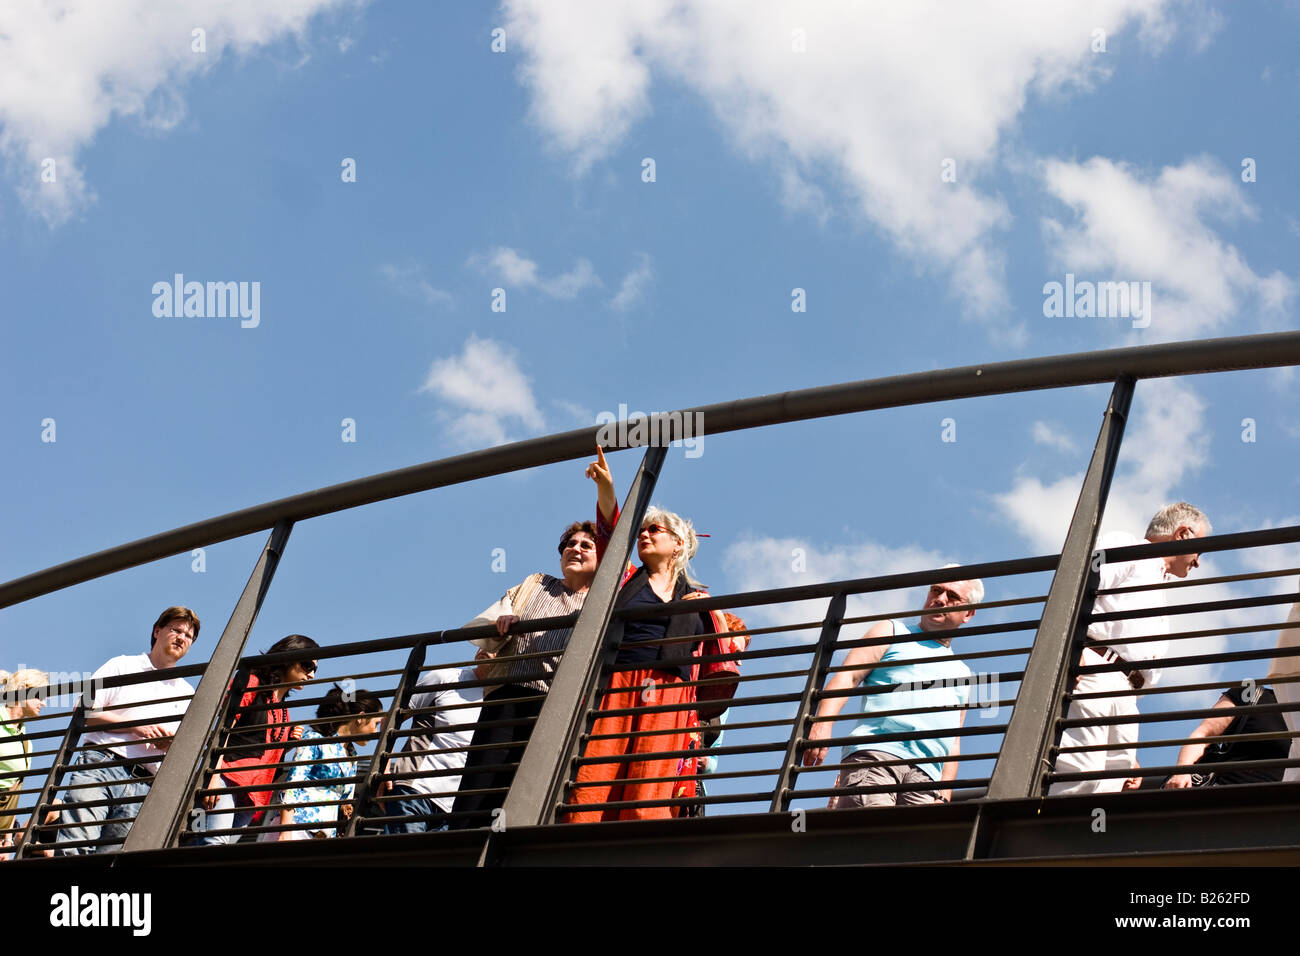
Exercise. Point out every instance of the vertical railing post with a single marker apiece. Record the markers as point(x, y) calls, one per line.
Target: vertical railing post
point(544, 766)
point(76, 724)
point(1032, 731)
point(384, 743)
point(163, 811)
point(799, 729)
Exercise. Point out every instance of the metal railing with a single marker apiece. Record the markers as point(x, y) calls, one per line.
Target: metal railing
point(1000, 763)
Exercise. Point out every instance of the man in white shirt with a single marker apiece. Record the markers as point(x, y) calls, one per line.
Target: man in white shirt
point(455, 705)
point(1176, 522)
point(117, 763)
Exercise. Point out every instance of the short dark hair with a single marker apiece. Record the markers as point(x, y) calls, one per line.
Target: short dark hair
point(587, 527)
point(175, 613)
point(276, 673)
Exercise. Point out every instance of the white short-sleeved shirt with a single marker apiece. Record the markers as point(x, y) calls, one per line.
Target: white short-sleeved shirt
point(1126, 574)
point(131, 698)
point(431, 692)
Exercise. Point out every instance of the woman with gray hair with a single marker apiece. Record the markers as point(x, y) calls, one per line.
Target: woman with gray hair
point(650, 668)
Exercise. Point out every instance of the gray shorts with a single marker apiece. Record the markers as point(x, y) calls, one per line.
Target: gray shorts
point(872, 774)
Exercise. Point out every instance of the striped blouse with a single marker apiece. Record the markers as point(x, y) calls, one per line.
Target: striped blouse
point(538, 595)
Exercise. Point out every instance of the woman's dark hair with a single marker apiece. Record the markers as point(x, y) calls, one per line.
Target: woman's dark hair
point(587, 527)
point(339, 707)
point(276, 673)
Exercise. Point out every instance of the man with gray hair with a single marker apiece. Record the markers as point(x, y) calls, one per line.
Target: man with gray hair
point(1107, 643)
point(911, 673)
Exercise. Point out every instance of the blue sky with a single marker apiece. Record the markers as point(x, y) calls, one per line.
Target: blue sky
point(792, 149)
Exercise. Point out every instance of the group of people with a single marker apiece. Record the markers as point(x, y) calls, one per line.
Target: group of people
point(470, 725)
point(905, 748)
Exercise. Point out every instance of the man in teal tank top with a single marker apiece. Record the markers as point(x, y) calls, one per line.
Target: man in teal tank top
point(910, 750)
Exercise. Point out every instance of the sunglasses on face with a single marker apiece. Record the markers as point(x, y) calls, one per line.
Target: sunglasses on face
point(654, 529)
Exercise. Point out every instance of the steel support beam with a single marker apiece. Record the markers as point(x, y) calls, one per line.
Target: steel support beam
point(164, 808)
point(1271, 350)
point(384, 743)
point(76, 724)
point(544, 767)
point(1032, 731)
point(801, 725)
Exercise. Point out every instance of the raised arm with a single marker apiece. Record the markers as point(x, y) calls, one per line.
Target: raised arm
point(606, 501)
point(859, 664)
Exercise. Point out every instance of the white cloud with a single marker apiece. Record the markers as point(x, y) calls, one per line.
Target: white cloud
point(756, 563)
point(516, 270)
point(882, 96)
point(409, 280)
point(579, 414)
point(67, 68)
point(1053, 436)
point(1166, 441)
point(632, 288)
point(1128, 228)
point(485, 389)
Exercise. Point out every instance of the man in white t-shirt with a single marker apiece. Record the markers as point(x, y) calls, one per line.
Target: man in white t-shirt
point(116, 763)
point(427, 795)
point(1176, 522)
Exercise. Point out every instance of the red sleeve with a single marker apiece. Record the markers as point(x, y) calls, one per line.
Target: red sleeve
point(250, 692)
point(604, 531)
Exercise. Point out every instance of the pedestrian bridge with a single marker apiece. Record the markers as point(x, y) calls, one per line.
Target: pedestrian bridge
point(759, 804)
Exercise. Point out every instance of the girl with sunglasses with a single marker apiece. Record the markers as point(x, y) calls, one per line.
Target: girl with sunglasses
point(260, 730)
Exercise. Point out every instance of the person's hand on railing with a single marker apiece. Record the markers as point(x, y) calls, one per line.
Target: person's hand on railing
point(1179, 781)
point(210, 799)
point(504, 622)
point(295, 732)
point(1132, 783)
point(813, 756)
point(155, 735)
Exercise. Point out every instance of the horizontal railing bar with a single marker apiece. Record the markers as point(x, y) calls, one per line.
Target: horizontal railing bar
point(1167, 716)
point(1234, 541)
point(891, 788)
point(1199, 582)
point(666, 802)
point(1260, 736)
point(1221, 686)
point(898, 761)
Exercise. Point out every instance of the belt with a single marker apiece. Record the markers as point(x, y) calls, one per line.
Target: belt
point(1134, 675)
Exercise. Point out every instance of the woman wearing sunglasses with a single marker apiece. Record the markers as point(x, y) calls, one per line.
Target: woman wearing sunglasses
point(260, 730)
point(649, 670)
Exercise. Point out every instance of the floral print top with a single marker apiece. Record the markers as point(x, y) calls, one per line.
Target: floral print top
point(312, 782)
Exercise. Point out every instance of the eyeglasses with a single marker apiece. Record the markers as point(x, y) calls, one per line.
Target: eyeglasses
point(579, 544)
point(308, 668)
point(654, 529)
